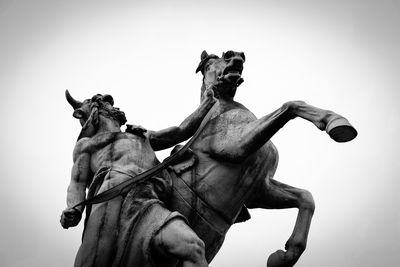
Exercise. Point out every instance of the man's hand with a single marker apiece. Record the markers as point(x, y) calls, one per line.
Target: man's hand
point(211, 80)
point(70, 217)
point(208, 95)
point(211, 86)
point(174, 135)
point(136, 130)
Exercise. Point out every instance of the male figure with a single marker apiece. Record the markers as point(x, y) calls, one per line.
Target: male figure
point(135, 229)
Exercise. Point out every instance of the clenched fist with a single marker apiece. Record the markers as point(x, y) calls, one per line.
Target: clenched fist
point(70, 217)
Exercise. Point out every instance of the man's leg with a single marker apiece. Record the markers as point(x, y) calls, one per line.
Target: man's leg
point(176, 240)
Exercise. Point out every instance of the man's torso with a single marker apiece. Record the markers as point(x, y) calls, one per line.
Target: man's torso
point(120, 150)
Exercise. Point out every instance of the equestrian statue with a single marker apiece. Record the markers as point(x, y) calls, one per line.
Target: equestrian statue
point(202, 189)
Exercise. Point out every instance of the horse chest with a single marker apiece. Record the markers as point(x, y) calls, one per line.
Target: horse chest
point(223, 130)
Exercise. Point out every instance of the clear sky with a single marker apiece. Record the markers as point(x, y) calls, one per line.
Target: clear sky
point(339, 55)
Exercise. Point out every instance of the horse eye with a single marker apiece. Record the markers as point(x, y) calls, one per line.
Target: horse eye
point(229, 54)
point(96, 97)
point(109, 99)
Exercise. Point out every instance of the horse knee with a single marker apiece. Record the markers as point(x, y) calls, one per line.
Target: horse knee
point(289, 106)
point(292, 106)
point(307, 201)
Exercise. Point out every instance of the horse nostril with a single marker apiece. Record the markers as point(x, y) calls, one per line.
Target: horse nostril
point(237, 60)
point(243, 56)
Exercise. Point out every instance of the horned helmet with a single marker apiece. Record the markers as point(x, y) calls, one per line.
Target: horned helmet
point(89, 110)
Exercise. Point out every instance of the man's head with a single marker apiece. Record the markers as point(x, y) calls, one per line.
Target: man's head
point(88, 112)
point(225, 71)
point(103, 103)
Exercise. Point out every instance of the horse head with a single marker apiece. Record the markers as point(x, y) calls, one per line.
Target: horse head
point(225, 72)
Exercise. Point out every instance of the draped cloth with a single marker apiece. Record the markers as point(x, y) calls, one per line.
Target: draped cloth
point(119, 232)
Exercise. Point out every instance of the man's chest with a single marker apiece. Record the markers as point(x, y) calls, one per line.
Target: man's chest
point(124, 149)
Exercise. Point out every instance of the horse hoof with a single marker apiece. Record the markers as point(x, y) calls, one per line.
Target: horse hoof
point(340, 130)
point(276, 259)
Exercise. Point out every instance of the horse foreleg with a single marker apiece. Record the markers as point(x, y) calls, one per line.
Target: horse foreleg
point(256, 133)
point(277, 195)
point(338, 127)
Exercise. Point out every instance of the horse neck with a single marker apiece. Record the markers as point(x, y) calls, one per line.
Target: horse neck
point(226, 97)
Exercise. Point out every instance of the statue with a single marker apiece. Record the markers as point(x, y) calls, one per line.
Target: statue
point(228, 166)
point(135, 229)
point(234, 161)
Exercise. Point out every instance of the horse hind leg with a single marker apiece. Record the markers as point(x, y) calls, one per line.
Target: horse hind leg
point(277, 195)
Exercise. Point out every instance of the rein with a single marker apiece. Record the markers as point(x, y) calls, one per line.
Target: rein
point(124, 187)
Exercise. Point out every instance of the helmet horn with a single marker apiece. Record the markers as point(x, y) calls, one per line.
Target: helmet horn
point(74, 103)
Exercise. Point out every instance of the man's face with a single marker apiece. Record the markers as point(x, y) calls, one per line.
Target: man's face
point(83, 112)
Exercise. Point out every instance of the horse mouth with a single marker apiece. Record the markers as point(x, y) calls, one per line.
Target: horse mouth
point(233, 70)
point(232, 75)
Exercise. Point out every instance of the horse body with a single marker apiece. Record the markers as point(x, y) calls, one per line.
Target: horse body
point(219, 171)
point(234, 161)
point(222, 181)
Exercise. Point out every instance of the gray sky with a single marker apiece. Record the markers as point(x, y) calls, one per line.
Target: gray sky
point(339, 55)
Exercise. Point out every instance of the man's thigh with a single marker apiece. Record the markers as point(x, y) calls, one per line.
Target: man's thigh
point(176, 240)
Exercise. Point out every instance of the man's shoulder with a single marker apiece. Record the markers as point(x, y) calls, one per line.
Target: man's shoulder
point(81, 146)
point(98, 141)
point(81, 143)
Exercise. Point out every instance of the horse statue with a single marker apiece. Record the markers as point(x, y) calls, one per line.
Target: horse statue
point(232, 163)
point(224, 170)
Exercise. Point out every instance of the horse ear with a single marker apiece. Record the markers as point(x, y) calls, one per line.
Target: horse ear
point(203, 57)
point(204, 54)
point(109, 99)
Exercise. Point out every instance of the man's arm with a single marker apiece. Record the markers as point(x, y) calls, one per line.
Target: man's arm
point(76, 192)
point(174, 135)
